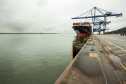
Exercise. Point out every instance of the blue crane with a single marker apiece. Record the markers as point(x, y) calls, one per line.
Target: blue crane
point(95, 18)
point(100, 25)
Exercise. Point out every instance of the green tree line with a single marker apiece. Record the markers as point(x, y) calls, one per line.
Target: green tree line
point(119, 31)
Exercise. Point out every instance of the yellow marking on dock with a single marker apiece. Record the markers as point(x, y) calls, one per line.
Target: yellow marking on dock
point(115, 58)
point(122, 66)
point(122, 55)
point(114, 45)
point(93, 55)
point(110, 45)
point(106, 48)
point(115, 48)
point(118, 50)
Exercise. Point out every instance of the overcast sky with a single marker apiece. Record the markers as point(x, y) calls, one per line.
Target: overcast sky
point(53, 16)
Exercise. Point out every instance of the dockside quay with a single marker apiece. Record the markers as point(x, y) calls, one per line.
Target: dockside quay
point(101, 60)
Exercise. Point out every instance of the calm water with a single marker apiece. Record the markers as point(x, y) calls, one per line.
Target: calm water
point(34, 58)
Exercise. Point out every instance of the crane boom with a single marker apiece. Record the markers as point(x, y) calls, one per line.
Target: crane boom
point(98, 16)
point(95, 18)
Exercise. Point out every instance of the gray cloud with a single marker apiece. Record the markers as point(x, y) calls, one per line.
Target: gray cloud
point(49, 29)
point(42, 2)
point(17, 26)
point(52, 15)
point(9, 16)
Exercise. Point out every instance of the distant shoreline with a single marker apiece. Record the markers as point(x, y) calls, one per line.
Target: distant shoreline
point(29, 33)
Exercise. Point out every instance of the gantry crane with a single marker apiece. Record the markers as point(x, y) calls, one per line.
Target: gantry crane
point(95, 18)
point(99, 25)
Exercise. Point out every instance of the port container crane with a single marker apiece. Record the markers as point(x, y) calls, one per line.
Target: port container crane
point(95, 18)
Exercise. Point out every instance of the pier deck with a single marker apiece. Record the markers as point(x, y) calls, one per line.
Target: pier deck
point(100, 61)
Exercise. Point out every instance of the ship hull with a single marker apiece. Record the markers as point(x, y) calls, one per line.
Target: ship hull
point(82, 30)
point(83, 34)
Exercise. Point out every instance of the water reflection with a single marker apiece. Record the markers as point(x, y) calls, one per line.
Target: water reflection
point(34, 59)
